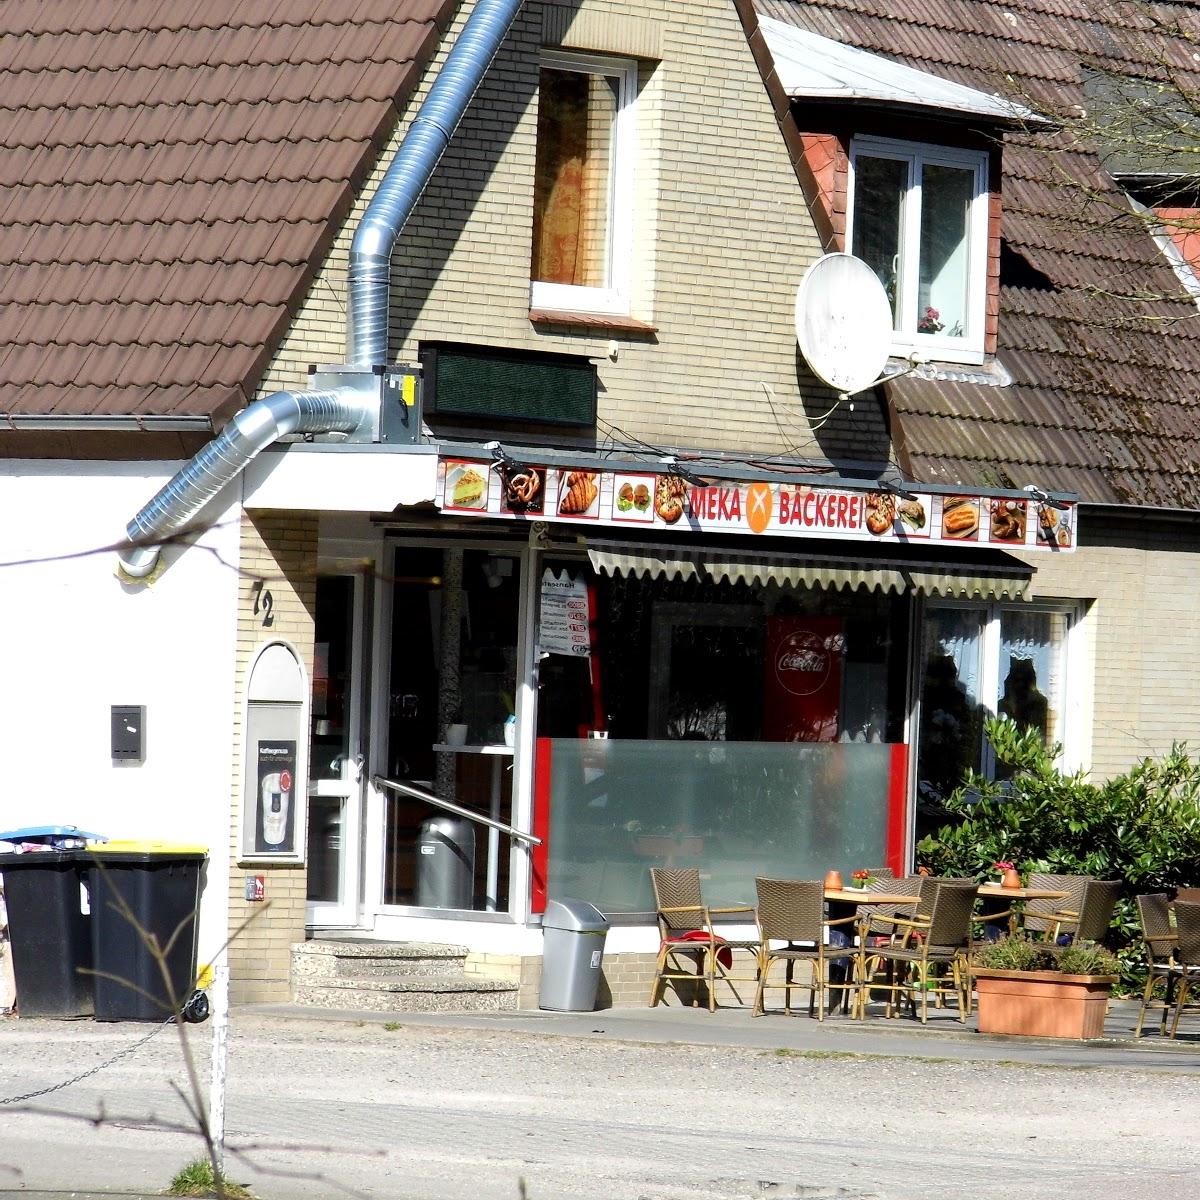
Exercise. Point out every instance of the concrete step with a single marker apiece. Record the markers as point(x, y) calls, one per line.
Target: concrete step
point(324, 960)
point(451, 992)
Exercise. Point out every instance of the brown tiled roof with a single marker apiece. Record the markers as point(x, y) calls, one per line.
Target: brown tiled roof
point(1105, 398)
point(170, 175)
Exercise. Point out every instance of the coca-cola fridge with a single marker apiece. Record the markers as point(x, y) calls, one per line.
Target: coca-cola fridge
point(803, 679)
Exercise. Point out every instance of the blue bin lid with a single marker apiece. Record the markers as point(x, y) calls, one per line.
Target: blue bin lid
point(49, 833)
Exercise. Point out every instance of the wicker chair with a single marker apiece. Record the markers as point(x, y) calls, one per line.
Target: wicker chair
point(1187, 930)
point(687, 937)
point(876, 924)
point(1090, 921)
point(944, 941)
point(1189, 895)
point(1158, 941)
point(1037, 918)
point(792, 911)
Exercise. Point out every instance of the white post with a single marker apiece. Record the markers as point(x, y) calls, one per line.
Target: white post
point(219, 997)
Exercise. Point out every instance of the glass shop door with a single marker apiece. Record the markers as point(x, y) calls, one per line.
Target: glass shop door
point(450, 731)
point(336, 769)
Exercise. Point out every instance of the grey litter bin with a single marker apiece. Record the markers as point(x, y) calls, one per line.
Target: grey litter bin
point(572, 953)
point(446, 863)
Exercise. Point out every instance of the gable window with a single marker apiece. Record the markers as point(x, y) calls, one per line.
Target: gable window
point(583, 183)
point(918, 217)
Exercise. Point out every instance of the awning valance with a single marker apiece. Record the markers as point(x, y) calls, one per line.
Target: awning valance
point(980, 574)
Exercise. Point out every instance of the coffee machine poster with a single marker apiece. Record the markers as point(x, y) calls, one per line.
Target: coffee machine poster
point(803, 679)
point(275, 826)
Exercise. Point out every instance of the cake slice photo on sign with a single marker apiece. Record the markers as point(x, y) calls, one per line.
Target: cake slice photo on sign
point(466, 486)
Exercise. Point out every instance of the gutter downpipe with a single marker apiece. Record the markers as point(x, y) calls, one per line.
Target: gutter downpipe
point(341, 410)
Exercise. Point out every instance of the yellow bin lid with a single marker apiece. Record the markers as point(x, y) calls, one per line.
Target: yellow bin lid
point(144, 847)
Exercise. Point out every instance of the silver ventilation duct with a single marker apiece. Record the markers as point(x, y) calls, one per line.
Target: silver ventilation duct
point(252, 430)
point(427, 138)
point(354, 409)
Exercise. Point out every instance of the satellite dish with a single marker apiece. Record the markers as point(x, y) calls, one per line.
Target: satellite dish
point(843, 322)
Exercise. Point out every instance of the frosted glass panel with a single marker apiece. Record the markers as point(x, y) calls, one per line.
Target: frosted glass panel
point(733, 809)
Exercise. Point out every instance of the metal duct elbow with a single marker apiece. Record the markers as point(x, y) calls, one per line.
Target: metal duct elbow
point(410, 171)
point(249, 433)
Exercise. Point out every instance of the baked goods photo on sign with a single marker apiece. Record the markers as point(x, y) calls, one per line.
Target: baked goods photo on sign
point(912, 515)
point(1008, 520)
point(881, 512)
point(466, 486)
point(578, 493)
point(960, 517)
point(1054, 525)
point(523, 489)
point(670, 498)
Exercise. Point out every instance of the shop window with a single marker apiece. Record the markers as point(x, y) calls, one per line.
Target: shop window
point(919, 219)
point(583, 183)
point(979, 662)
point(741, 728)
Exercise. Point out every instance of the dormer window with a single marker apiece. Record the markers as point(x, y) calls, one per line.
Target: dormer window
point(918, 216)
point(583, 183)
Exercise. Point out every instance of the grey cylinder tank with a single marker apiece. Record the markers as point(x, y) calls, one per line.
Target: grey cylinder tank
point(446, 863)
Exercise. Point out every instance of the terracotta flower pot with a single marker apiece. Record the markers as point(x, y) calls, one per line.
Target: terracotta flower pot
point(1011, 879)
point(1042, 1003)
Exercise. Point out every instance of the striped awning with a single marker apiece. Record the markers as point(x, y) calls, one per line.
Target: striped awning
point(980, 574)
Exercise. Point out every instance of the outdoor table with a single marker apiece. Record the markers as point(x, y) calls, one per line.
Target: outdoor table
point(990, 891)
point(842, 900)
point(846, 895)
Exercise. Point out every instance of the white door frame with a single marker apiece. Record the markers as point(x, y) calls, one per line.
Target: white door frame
point(349, 787)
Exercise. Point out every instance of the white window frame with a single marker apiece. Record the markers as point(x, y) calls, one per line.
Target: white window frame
point(906, 340)
point(615, 297)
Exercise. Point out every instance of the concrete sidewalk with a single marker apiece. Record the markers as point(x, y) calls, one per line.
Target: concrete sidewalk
point(943, 1038)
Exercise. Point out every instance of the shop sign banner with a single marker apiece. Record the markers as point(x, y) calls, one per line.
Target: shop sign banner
point(625, 499)
point(564, 615)
point(274, 831)
point(803, 680)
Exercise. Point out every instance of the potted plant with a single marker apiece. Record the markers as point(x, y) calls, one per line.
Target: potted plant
point(1039, 990)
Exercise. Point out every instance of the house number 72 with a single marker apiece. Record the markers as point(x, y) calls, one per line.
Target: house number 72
point(264, 602)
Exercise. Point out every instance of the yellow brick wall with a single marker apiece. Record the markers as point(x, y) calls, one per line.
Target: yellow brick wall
point(624, 982)
point(722, 238)
point(1142, 622)
point(281, 550)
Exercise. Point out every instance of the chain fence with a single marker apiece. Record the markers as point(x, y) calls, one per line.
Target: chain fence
point(116, 1058)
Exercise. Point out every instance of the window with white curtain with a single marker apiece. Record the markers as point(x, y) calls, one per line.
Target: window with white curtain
point(979, 661)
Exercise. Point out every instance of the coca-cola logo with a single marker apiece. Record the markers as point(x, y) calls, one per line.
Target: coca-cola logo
point(803, 662)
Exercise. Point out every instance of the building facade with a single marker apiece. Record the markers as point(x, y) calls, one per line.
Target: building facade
point(617, 570)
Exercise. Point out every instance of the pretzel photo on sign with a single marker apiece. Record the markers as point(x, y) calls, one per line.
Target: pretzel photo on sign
point(523, 489)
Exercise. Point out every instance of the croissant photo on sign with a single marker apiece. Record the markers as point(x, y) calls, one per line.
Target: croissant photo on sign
point(577, 493)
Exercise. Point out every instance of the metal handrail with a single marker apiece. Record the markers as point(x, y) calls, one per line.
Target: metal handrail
point(421, 794)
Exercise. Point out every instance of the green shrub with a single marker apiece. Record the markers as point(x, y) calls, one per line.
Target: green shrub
point(1085, 959)
point(1013, 954)
point(1142, 827)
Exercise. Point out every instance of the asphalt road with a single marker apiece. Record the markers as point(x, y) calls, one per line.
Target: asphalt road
point(320, 1109)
